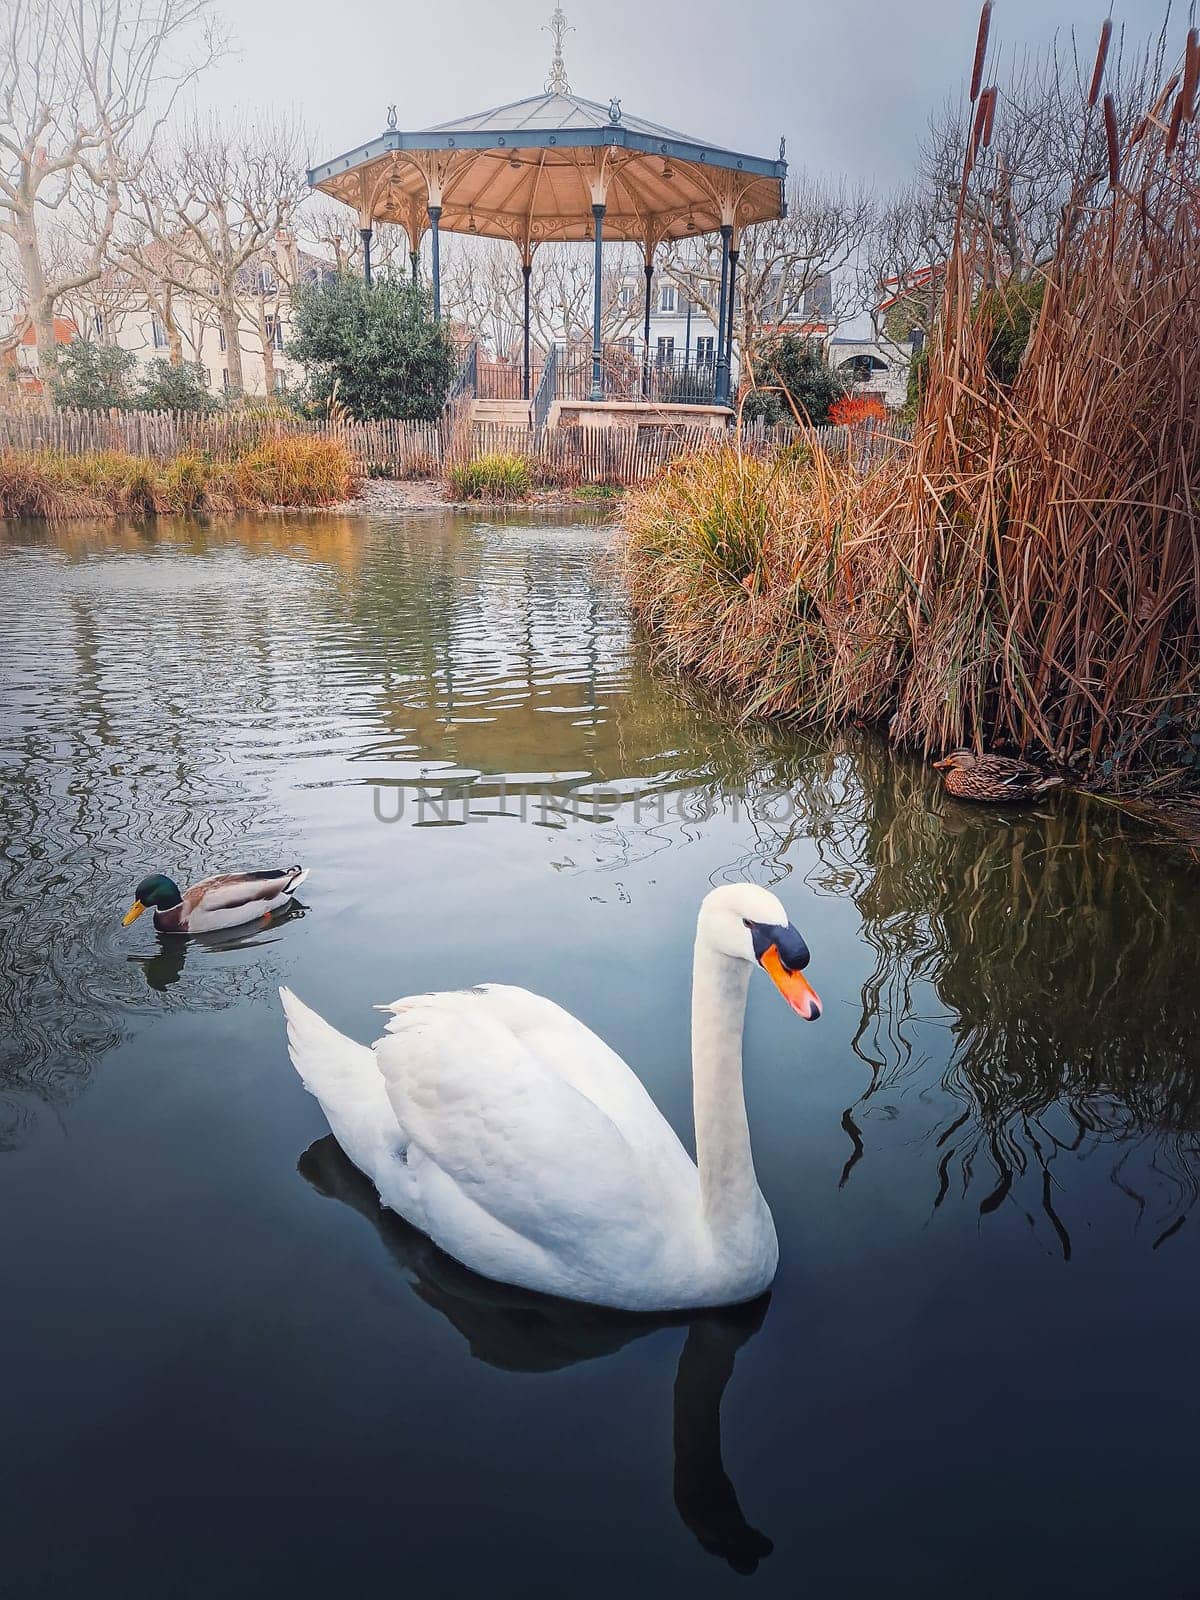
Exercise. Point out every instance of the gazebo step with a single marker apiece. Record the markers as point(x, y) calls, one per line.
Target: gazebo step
point(513, 413)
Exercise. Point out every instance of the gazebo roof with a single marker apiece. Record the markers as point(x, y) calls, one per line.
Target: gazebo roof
point(530, 171)
point(552, 110)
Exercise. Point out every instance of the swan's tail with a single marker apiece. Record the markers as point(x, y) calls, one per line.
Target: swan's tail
point(345, 1078)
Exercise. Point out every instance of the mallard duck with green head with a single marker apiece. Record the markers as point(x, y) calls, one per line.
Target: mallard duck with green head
point(223, 901)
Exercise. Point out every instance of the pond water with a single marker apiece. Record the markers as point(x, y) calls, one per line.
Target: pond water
point(226, 1372)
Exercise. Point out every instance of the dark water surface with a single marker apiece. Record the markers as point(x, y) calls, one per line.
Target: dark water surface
point(224, 1372)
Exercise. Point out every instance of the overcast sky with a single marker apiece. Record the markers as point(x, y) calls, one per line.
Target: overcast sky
point(850, 84)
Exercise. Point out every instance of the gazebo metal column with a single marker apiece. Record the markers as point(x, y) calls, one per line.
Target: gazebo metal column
point(526, 274)
point(435, 217)
point(365, 235)
point(722, 396)
point(734, 253)
point(649, 271)
point(598, 210)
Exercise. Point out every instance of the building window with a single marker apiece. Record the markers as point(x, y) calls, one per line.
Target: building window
point(267, 281)
point(280, 382)
point(207, 377)
point(666, 351)
point(225, 379)
point(666, 297)
point(220, 338)
point(626, 296)
point(274, 329)
point(158, 333)
point(98, 324)
point(704, 350)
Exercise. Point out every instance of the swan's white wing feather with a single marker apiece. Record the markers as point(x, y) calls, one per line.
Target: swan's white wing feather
point(345, 1078)
point(567, 1047)
point(501, 1141)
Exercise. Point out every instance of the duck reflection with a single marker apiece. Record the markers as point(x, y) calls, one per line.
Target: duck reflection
point(164, 968)
point(518, 1331)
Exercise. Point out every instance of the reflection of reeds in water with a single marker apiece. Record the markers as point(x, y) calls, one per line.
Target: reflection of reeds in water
point(1066, 958)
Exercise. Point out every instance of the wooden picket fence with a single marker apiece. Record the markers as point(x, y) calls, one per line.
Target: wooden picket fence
point(616, 456)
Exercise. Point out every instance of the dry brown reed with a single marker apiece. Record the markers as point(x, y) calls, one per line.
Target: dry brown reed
point(1027, 576)
point(1052, 534)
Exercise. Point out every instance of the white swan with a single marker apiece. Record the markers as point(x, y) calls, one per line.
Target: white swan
point(499, 1125)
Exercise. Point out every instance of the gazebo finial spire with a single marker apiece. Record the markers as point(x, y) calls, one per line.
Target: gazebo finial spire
point(559, 27)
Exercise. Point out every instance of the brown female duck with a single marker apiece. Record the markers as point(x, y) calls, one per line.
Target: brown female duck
point(971, 777)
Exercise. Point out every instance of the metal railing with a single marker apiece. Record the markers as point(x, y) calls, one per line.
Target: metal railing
point(665, 380)
point(681, 380)
point(500, 381)
point(547, 389)
point(466, 380)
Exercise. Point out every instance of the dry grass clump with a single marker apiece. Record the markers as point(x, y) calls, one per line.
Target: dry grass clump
point(771, 579)
point(286, 471)
point(1027, 575)
point(292, 470)
point(494, 475)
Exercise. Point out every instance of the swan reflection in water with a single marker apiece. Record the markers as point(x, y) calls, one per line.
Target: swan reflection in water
point(519, 1331)
point(164, 968)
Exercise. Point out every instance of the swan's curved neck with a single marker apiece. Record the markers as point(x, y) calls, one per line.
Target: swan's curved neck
point(728, 1184)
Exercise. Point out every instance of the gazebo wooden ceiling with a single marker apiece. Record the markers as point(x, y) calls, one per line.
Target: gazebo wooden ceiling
point(533, 171)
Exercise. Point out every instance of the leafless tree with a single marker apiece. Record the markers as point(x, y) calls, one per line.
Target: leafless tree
point(85, 86)
point(332, 230)
point(899, 266)
point(213, 203)
point(482, 287)
point(1040, 166)
point(781, 263)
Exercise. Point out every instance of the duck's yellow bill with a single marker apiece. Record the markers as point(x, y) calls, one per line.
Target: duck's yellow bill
point(133, 913)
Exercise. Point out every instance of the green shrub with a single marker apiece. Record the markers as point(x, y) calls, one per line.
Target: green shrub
point(492, 476)
point(916, 381)
point(1012, 310)
point(162, 387)
point(797, 367)
point(377, 350)
point(93, 377)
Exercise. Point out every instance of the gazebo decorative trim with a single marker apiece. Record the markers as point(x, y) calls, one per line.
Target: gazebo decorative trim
point(558, 167)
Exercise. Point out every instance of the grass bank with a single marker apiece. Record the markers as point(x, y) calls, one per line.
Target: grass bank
point(286, 471)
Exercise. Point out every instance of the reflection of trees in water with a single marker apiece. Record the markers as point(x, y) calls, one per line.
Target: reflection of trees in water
point(118, 756)
point(518, 1331)
point(1067, 958)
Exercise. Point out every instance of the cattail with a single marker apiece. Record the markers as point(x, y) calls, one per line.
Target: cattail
point(985, 22)
point(1176, 124)
point(991, 96)
point(1101, 58)
point(979, 123)
point(1110, 129)
point(1191, 74)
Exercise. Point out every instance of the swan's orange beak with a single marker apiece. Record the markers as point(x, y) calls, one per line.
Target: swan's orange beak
point(793, 986)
